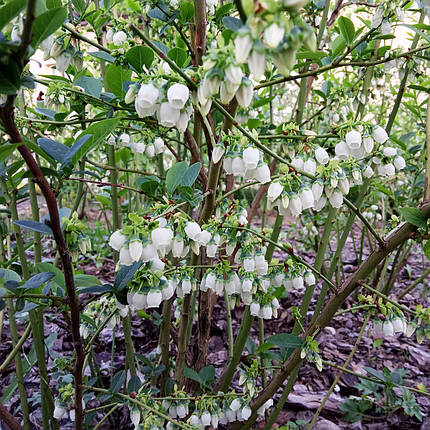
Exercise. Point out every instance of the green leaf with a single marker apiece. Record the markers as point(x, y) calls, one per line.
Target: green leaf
point(117, 382)
point(187, 11)
point(148, 184)
point(95, 289)
point(414, 216)
point(115, 76)
point(192, 374)
point(174, 176)
point(134, 6)
point(9, 275)
point(191, 175)
point(231, 23)
point(99, 132)
point(140, 56)
point(338, 46)
point(179, 56)
point(104, 56)
point(67, 164)
point(287, 343)
point(46, 24)
point(54, 149)
point(125, 275)
point(10, 76)
point(59, 276)
point(6, 150)
point(52, 4)
point(347, 29)
point(10, 10)
point(158, 14)
point(418, 31)
point(90, 85)
point(83, 280)
point(207, 375)
point(38, 280)
point(34, 226)
point(134, 384)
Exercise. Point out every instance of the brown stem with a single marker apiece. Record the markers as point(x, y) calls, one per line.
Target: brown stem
point(9, 419)
point(7, 118)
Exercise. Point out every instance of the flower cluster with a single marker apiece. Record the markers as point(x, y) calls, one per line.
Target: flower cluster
point(223, 75)
point(62, 52)
point(150, 149)
point(171, 105)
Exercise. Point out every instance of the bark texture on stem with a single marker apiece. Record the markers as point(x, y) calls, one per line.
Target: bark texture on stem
point(399, 236)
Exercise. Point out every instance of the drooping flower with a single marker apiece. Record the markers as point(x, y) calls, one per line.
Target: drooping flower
point(218, 152)
point(273, 35)
point(162, 238)
point(257, 64)
point(274, 191)
point(119, 38)
point(178, 95)
point(379, 135)
point(321, 155)
point(117, 240)
point(146, 100)
point(245, 93)
point(242, 47)
point(167, 115)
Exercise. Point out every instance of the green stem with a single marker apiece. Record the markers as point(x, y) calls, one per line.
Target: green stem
point(18, 367)
point(35, 216)
point(164, 342)
point(129, 348)
point(229, 325)
point(16, 349)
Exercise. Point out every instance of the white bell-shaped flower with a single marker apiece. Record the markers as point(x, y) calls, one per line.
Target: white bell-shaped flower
point(378, 329)
point(317, 189)
point(353, 139)
point(205, 418)
point(368, 144)
point(125, 257)
point(211, 249)
point(310, 166)
point(214, 420)
point(192, 230)
point(139, 300)
point(342, 150)
point(267, 312)
point(390, 170)
point(169, 290)
point(225, 95)
point(295, 205)
point(320, 203)
point(368, 172)
point(135, 416)
point(244, 94)
point(273, 35)
point(379, 135)
point(167, 115)
point(254, 309)
point(230, 415)
point(119, 38)
point(274, 191)
point(388, 329)
point(162, 239)
point(149, 253)
point(62, 61)
point(399, 163)
point(238, 166)
point(117, 240)
point(251, 157)
point(146, 100)
point(59, 410)
point(249, 264)
point(181, 410)
point(177, 247)
point(343, 185)
point(336, 199)
point(307, 198)
point(235, 404)
point(242, 47)
point(262, 174)
point(389, 151)
point(398, 325)
point(150, 150)
point(233, 75)
point(297, 163)
point(257, 64)
point(154, 299)
point(218, 153)
point(158, 146)
point(204, 237)
point(178, 95)
point(321, 155)
point(246, 412)
point(135, 248)
point(310, 278)
point(137, 147)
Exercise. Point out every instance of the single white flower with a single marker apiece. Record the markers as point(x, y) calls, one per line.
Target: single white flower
point(205, 418)
point(154, 298)
point(125, 257)
point(262, 174)
point(137, 147)
point(178, 95)
point(62, 61)
point(146, 100)
point(388, 329)
point(135, 416)
point(158, 146)
point(379, 135)
point(368, 144)
point(257, 64)
point(135, 248)
point(192, 230)
point(149, 253)
point(297, 163)
point(59, 410)
point(274, 191)
point(310, 279)
point(353, 139)
point(119, 38)
point(307, 199)
point(244, 94)
point(218, 153)
point(167, 115)
point(117, 240)
point(162, 240)
point(251, 157)
point(389, 151)
point(368, 172)
point(273, 35)
point(233, 75)
point(399, 163)
point(242, 47)
point(310, 166)
point(321, 155)
point(336, 199)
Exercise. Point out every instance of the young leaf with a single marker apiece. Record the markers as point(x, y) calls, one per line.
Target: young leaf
point(187, 11)
point(174, 176)
point(90, 85)
point(46, 24)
